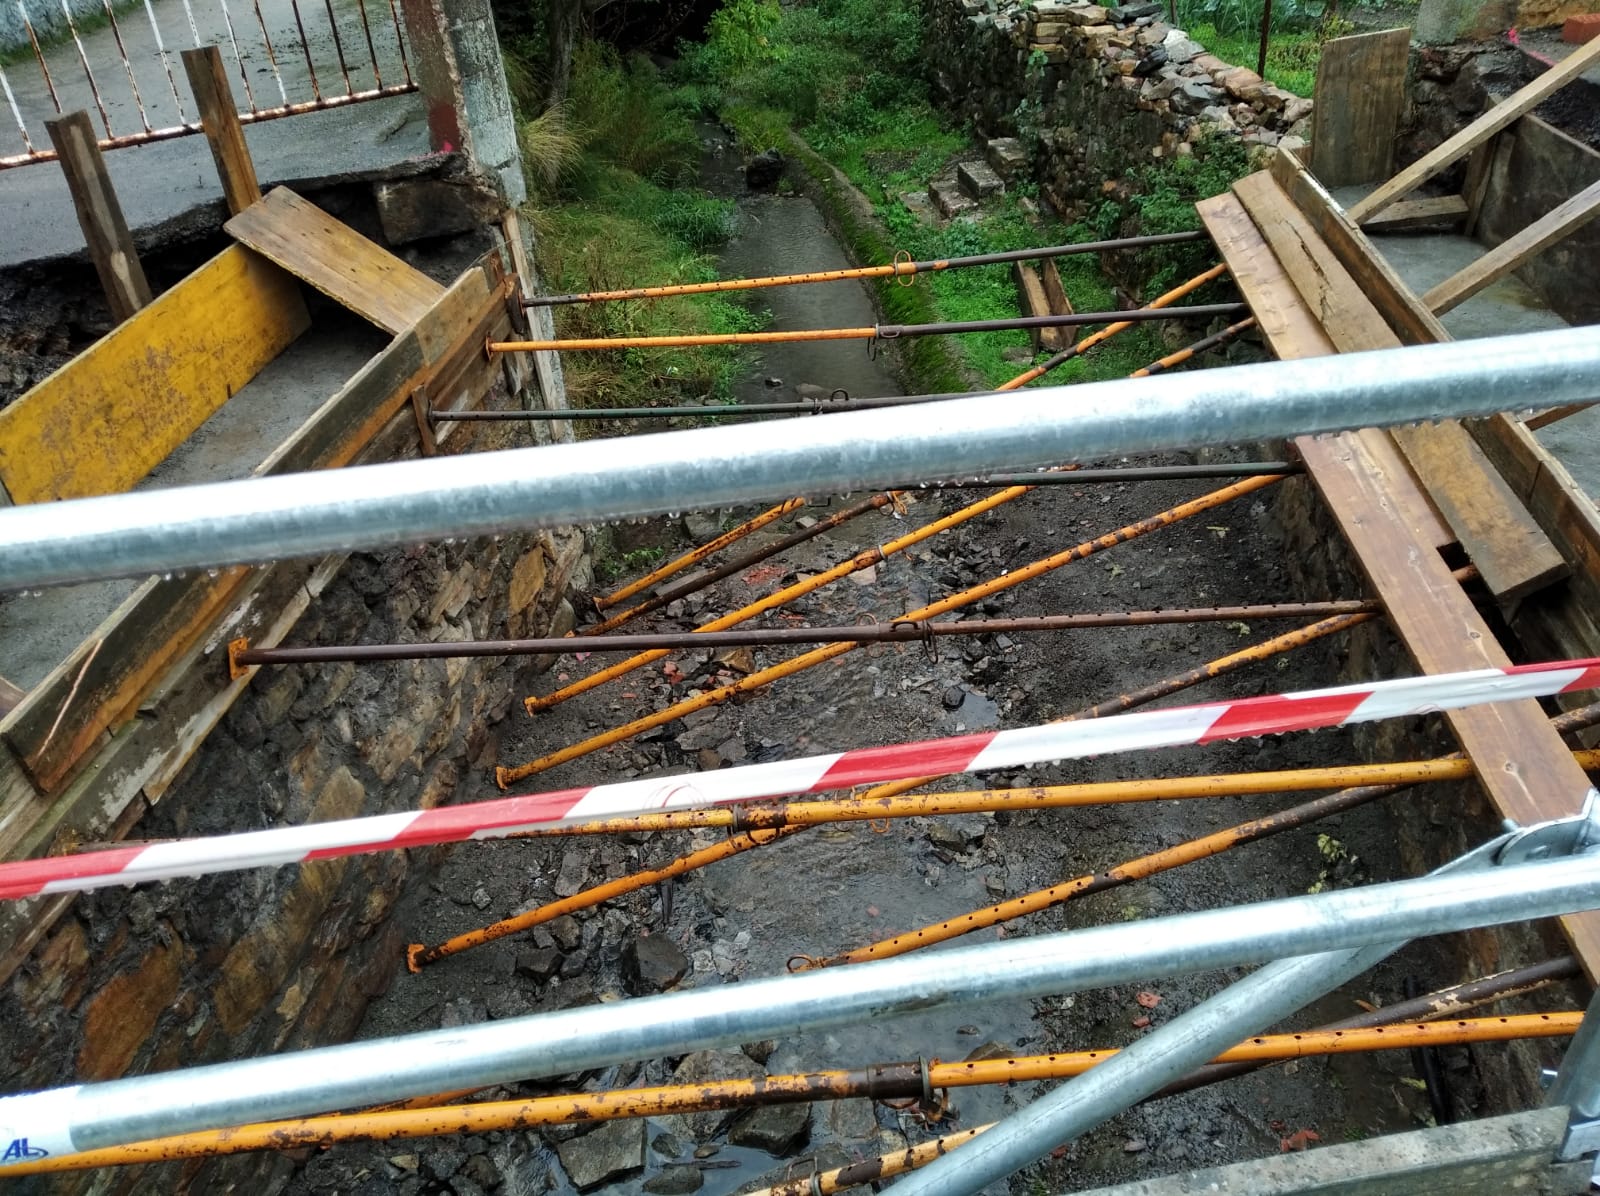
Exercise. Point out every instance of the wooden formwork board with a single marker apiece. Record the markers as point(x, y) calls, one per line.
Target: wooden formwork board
point(336, 260)
point(1360, 93)
point(1520, 761)
point(113, 413)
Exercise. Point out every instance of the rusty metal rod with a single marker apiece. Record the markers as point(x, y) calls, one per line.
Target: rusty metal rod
point(884, 1081)
point(897, 269)
point(739, 564)
point(419, 955)
point(900, 631)
point(954, 602)
point(876, 332)
point(1445, 1002)
point(695, 555)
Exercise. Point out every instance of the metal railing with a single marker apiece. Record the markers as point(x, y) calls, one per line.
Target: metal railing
point(124, 70)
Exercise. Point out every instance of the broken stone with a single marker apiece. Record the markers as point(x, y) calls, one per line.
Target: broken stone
point(960, 832)
point(566, 932)
point(989, 1050)
point(701, 526)
point(652, 963)
point(776, 1129)
point(732, 751)
point(764, 171)
point(1128, 13)
point(675, 1181)
point(574, 872)
point(1182, 49)
point(852, 1119)
point(706, 735)
point(481, 898)
point(866, 576)
point(667, 1146)
point(953, 697)
point(760, 1051)
point(1192, 97)
point(708, 1067)
point(612, 1152)
point(538, 963)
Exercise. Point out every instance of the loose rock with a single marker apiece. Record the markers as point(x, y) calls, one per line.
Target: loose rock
point(675, 1181)
point(612, 1152)
point(707, 1067)
point(776, 1129)
point(652, 963)
point(764, 171)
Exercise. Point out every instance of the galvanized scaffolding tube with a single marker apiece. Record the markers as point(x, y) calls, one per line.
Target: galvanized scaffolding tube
point(88, 1116)
point(561, 485)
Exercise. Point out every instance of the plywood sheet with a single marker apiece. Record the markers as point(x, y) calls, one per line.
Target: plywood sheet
point(1361, 89)
point(336, 260)
point(112, 414)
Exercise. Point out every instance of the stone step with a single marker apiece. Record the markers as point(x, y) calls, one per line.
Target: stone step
point(947, 197)
point(1007, 157)
point(978, 181)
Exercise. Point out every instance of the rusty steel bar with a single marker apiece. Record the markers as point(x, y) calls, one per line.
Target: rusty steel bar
point(1449, 1002)
point(954, 602)
point(305, 46)
point(897, 269)
point(696, 555)
point(695, 584)
point(419, 955)
point(166, 61)
point(272, 57)
point(900, 631)
point(372, 51)
point(1095, 338)
point(244, 72)
point(38, 54)
point(94, 88)
point(865, 808)
point(122, 51)
point(1204, 345)
point(882, 1081)
point(338, 46)
point(875, 332)
point(869, 1171)
point(194, 30)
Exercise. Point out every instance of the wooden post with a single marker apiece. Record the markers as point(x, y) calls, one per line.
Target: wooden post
point(219, 117)
point(110, 244)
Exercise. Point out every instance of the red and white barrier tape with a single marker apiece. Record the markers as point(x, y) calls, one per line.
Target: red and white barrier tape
point(1175, 727)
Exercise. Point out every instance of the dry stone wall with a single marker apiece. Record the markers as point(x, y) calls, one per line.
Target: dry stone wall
point(149, 979)
point(1092, 93)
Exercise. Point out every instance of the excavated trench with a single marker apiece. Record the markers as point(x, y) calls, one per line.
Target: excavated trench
point(826, 890)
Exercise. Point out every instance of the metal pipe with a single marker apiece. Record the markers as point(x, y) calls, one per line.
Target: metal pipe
point(38, 54)
point(89, 1116)
point(898, 269)
point(901, 631)
point(1129, 473)
point(873, 332)
point(418, 955)
point(1205, 345)
point(367, 507)
point(695, 555)
point(1577, 1084)
point(879, 1081)
point(504, 776)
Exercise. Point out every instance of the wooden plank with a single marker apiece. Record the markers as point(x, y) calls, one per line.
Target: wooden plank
point(1478, 132)
point(1280, 315)
point(1475, 186)
point(110, 415)
point(99, 214)
point(336, 260)
point(1360, 91)
point(1400, 307)
point(1519, 759)
point(1419, 213)
point(1515, 251)
point(1513, 555)
point(219, 117)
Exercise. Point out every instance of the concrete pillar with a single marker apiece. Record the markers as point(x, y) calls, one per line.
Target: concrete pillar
point(456, 62)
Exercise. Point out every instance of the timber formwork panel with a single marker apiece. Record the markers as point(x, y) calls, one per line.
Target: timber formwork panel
point(1520, 761)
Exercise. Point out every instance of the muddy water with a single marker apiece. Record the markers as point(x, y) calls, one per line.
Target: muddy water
point(775, 234)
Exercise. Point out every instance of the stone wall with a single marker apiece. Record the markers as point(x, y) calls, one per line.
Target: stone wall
point(144, 980)
point(1094, 93)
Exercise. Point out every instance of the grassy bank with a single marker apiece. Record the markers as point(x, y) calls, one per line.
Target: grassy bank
point(614, 205)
